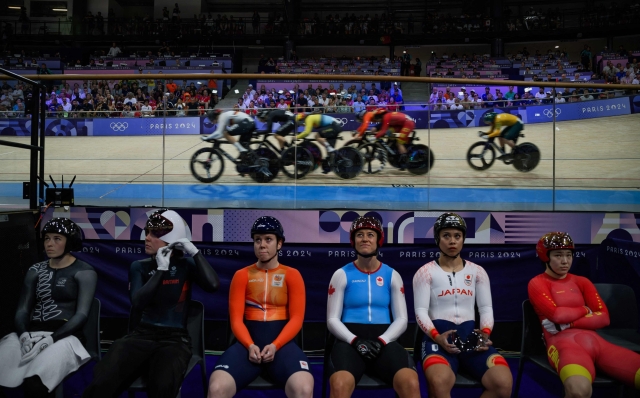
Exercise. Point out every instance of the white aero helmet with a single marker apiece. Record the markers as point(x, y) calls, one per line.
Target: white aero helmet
point(166, 225)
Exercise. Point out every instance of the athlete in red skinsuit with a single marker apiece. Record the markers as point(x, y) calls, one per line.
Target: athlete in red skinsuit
point(396, 121)
point(570, 311)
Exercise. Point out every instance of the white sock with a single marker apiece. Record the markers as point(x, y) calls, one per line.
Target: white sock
point(240, 147)
point(329, 148)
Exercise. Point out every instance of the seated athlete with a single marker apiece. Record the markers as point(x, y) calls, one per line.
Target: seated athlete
point(55, 300)
point(266, 311)
point(229, 124)
point(159, 346)
point(360, 296)
point(328, 131)
point(571, 311)
point(507, 136)
point(445, 292)
point(286, 120)
point(396, 121)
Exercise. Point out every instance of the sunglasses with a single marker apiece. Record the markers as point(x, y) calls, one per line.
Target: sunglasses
point(474, 341)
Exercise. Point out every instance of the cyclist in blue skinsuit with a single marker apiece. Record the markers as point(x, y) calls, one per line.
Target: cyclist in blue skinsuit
point(360, 295)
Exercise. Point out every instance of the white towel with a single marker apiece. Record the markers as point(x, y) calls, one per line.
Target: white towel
point(52, 365)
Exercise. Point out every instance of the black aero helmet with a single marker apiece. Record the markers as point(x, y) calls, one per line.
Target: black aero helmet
point(449, 220)
point(263, 114)
point(268, 225)
point(66, 228)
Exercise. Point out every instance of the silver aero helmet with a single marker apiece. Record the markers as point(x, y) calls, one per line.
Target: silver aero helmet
point(166, 225)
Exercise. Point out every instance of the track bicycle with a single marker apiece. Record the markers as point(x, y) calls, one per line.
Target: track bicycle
point(262, 161)
point(345, 162)
point(378, 153)
point(482, 154)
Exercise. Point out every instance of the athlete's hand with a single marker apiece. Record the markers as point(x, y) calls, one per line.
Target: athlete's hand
point(554, 328)
point(485, 339)
point(26, 343)
point(38, 347)
point(368, 349)
point(163, 258)
point(254, 354)
point(268, 353)
point(185, 245)
point(443, 341)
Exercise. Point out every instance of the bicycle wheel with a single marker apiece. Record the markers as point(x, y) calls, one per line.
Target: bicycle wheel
point(420, 159)
point(375, 158)
point(355, 143)
point(347, 162)
point(296, 162)
point(527, 158)
point(266, 166)
point(315, 151)
point(481, 155)
point(207, 165)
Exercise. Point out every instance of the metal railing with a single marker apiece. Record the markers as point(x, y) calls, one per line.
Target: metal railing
point(36, 164)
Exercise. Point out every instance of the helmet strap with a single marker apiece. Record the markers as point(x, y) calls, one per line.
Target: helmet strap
point(551, 269)
point(375, 253)
point(446, 255)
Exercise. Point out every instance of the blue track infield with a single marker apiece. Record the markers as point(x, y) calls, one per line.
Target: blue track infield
point(335, 197)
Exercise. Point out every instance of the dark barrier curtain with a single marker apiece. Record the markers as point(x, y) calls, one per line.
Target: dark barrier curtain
point(510, 267)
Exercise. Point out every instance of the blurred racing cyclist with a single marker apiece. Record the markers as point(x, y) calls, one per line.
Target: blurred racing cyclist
point(229, 124)
point(286, 120)
point(507, 136)
point(396, 121)
point(328, 130)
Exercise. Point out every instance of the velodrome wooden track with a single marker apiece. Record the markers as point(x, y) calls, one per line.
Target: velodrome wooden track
point(594, 153)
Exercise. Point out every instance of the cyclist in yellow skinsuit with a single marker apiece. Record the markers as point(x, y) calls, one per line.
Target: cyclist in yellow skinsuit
point(507, 136)
point(328, 131)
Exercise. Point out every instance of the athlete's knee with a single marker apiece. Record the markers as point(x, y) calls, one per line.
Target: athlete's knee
point(221, 385)
point(300, 385)
point(341, 382)
point(406, 380)
point(578, 390)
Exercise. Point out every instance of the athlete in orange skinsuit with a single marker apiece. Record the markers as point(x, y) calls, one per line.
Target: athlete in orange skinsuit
point(570, 311)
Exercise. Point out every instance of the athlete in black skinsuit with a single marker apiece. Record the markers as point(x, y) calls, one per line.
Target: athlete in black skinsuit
point(160, 290)
point(54, 304)
point(286, 120)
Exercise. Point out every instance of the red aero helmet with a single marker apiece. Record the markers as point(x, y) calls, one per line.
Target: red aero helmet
point(366, 223)
point(553, 241)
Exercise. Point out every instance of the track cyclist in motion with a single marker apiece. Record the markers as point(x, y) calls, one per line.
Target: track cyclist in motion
point(507, 136)
point(328, 131)
point(230, 124)
point(286, 120)
point(395, 121)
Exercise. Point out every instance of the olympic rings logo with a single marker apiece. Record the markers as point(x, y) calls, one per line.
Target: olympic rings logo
point(118, 126)
point(342, 121)
point(549, 113)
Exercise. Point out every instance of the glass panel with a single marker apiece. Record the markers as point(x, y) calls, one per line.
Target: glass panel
point(597, 151)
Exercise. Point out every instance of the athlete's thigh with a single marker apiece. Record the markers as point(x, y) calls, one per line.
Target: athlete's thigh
point(235, 361)
point(289, 359)
point(571, 354)
point(344, 357)
point(285, 128)
point(432, 354)
point(477, 363)
point(392, 358)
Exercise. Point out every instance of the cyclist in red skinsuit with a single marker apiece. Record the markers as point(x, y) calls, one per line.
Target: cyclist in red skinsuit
point(570, 311)
point(397, 121)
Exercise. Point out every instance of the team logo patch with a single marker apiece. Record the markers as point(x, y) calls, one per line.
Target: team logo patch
point(304, 365)
point(61, 282)
point(554, 355)
point(434, 347)
point(468, 279)
point(491, 361)
point(379, 281)
point(277, 280)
